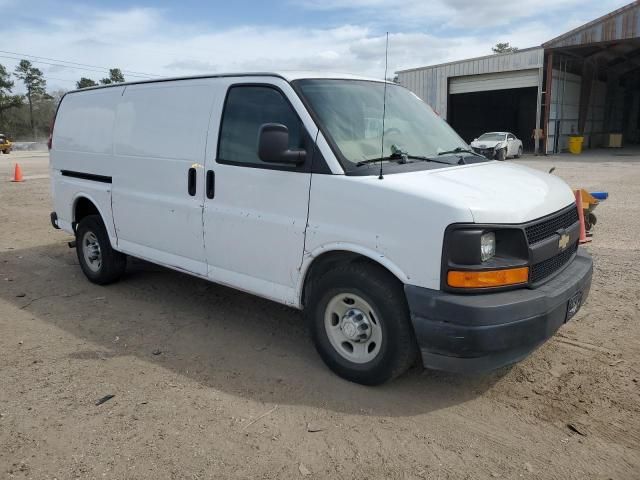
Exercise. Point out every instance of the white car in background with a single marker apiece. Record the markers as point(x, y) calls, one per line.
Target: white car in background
point(497, 145)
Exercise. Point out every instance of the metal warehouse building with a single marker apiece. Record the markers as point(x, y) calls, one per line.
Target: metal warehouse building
point(585, 82)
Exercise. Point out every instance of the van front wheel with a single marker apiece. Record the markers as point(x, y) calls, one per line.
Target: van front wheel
point(359, 322)
point(100, 263)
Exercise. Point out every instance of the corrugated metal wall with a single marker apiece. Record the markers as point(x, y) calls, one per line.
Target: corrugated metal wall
point(432, 83)
point(565, 106)
point(494, 81)
point(618, 25)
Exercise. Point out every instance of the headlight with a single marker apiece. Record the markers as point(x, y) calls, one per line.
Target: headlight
point(498, 146)
point(481, 257)
point(487, 246)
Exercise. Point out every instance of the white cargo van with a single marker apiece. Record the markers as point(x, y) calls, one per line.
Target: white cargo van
point(395, 238)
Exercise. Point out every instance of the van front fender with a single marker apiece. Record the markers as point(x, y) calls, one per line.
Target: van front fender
point(345, 247)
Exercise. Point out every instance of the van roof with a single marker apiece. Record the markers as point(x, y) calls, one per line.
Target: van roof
point(285, 75)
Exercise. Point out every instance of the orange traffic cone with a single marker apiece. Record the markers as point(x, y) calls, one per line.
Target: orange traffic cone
point(583, 231)
point(17, 174)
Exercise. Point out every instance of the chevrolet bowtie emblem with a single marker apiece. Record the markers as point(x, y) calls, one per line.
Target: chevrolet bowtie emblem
point(563, 242)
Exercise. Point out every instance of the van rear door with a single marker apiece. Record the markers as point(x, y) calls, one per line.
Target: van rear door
point(158, 181)
point(256, 213)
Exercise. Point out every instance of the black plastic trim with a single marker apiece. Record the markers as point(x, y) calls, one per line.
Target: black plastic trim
point(54, 220)
point(192, 177)
point(471, 333)
point(545, 249)
point(86, 176)
point(211, 184)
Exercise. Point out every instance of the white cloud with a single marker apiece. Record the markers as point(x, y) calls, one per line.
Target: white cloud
point(454, 13)
point(152, 41)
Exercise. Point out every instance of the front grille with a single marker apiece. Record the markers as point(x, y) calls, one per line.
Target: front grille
point(547, 267)
point(487, 152)
point(548, 227)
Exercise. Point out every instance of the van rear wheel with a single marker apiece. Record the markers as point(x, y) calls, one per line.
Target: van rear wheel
point(100, 263)
point(359, 322)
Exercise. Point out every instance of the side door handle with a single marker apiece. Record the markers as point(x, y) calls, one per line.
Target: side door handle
point(191, 181)
point(211, 184)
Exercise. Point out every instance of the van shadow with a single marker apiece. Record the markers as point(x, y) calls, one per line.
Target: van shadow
point(221, 338)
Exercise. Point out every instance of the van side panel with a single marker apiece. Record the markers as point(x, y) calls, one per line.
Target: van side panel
point(160, 134)
point(82, 143)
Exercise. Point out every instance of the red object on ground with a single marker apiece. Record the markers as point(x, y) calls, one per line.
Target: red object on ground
point(583, 231)
point(17, 174)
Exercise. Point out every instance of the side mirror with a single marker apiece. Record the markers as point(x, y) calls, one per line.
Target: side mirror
point(474, 140)
point(273, 145)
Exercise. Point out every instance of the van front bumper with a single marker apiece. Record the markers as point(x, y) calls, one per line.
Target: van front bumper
point(481, 332)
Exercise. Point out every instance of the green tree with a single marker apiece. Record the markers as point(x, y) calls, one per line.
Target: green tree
point(503, 48)
point(7, 101)
point(85, 82)
point(115, 76)
point(35, 84)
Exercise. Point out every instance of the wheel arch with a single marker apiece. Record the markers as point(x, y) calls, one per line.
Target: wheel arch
point(323, 258)
point(85, 204)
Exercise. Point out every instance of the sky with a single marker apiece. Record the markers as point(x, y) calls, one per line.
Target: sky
point(167, 38)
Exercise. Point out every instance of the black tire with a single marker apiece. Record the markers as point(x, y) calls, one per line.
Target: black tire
point(384, 293)
point(501, 155)
point(519, 154)
point(112, 264)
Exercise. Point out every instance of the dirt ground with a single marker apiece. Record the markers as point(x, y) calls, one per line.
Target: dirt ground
point(212, 383)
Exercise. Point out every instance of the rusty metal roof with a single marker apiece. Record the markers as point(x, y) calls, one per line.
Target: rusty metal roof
point(621, 24)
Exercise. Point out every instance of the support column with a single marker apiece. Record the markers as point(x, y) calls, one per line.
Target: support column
point(536, 139)
point(585, 96)
point(547, 100)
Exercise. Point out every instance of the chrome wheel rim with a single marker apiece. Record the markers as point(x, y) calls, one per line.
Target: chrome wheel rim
point(353, 328)
point(91, 251)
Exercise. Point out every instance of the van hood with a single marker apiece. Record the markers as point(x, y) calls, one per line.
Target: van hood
point(493, 192)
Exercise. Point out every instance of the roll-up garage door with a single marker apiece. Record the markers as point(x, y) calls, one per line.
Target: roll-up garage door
point(494, 81)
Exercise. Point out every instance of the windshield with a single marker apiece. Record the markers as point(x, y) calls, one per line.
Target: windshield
point(350, 112)
point(492, 137)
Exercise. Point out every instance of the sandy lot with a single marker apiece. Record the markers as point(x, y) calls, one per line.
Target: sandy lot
point(212, 383)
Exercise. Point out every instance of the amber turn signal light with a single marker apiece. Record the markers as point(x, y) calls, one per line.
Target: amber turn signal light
point(488, 278)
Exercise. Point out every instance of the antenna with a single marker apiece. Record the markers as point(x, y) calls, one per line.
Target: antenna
point(384, 103)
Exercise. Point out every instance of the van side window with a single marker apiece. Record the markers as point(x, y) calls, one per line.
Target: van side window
point(246, 109)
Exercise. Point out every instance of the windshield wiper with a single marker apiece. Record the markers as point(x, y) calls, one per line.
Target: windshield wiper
point(428, 159)
point(401, 158)
point(459, 150)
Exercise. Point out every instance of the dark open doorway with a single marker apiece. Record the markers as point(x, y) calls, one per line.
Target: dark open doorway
point(510, 110)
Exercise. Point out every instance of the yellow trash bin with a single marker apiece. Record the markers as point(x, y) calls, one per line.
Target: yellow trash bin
point(575, 144)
